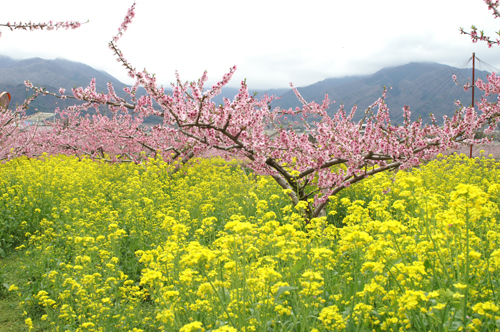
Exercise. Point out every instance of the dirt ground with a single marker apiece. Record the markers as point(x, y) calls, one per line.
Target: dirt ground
point(492, 148)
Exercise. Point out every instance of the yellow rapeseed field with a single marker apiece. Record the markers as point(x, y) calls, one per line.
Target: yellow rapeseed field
point(211, 248)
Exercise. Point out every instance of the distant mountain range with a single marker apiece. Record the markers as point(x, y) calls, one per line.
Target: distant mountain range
point(52, 74)
point(425, 87)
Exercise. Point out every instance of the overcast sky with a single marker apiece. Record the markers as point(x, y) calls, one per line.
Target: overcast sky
point(273, 42)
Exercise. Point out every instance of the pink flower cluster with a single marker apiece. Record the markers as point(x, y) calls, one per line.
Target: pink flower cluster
point(332, 151)
point(40, 26)
point(475, 36)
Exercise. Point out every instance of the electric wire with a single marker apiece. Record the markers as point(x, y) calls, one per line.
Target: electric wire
point(442, 81)
point(444, 84)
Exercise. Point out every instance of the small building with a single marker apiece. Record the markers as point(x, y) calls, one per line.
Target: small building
point(40, 119)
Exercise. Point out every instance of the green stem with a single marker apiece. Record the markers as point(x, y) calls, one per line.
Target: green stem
point(218, 296)
point(467, 263)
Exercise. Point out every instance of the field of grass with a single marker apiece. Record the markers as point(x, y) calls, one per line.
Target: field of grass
point(11, 319)
point(88, 246)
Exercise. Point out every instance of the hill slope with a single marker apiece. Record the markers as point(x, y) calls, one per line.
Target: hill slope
point(52, 74)
point(425, 87)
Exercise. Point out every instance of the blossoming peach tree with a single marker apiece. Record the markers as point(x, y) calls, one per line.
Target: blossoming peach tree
point(121, 137)
point(17, 139)
point(328, 154)
point(473, 33)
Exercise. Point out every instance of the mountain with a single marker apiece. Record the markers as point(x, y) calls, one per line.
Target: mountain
point(229, 92)
point(52, 74)
point(425, 87)
point(57, 73)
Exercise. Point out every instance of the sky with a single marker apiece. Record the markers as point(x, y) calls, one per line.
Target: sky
point(272, 42)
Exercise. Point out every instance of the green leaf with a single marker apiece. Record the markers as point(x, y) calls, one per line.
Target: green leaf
point(283, 289)
point(455, 326)
point(298, 265)
point(394, 262)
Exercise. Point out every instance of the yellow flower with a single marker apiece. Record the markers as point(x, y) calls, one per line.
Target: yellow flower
point(29, 323)
point(410, 299)
point(301, 205)
point(486, 309)
point(460, 286)
point(331, 318)
point(87, 325)
point(165, 316)
point(226, 328)
point(192, 327)
point(439, 306)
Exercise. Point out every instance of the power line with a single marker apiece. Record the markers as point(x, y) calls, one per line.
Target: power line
point(443, 82)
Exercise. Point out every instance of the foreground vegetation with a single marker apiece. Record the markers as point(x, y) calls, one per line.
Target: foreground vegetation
point(125, 247)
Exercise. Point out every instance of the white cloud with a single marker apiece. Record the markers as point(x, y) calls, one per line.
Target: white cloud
point(273, 42)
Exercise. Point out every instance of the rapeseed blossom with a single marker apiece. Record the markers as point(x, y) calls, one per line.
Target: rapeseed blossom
point(212, 248)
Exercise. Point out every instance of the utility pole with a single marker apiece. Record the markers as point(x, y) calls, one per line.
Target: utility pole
point(473, 85)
